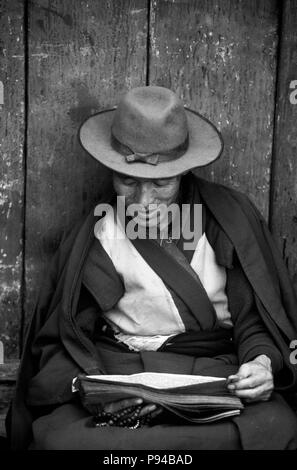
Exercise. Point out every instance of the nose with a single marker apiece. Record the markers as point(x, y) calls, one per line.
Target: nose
point(145, 195)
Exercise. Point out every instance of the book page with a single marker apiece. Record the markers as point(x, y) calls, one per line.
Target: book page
point(158, 380)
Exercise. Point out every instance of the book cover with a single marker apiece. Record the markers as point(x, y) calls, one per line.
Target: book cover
point(193, 398)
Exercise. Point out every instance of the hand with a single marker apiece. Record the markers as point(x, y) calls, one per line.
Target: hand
point(253, 381)
point(146, 410)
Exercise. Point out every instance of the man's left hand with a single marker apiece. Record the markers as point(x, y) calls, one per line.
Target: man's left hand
point(253, 381)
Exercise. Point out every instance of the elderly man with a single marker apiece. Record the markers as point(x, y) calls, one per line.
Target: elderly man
point(211, 300)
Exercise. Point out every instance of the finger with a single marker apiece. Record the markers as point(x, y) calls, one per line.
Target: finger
point(157, 412)
point(251, 382)
point(254, 393)
point(232, 378)
point(147, 409)
point(116, 406)
point(245, 371)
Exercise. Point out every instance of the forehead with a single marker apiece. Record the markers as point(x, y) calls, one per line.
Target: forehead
point(122, 177)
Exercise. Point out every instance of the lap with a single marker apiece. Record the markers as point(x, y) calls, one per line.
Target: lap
point(69, 427)
point(266, 425)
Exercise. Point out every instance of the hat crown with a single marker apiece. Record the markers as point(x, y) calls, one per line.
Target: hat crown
point(150, 119)
point(151, 135)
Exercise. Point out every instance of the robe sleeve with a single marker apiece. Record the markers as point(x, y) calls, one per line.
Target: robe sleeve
point(251, 337)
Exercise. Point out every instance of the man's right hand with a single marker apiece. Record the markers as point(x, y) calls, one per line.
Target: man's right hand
point(147, 409)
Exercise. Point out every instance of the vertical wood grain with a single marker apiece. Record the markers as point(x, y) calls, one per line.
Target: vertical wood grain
point(83, 56)
point(220, 56)
point(11, 173)
point(284, 177)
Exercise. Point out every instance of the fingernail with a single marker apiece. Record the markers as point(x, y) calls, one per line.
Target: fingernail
point(231, 387)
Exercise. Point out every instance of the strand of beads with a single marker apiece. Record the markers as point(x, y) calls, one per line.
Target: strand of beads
point(128, 417)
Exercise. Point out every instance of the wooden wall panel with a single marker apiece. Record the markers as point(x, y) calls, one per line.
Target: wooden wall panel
point(284, 178)
point(11, 173)
point(83, 55)
point(220, 56)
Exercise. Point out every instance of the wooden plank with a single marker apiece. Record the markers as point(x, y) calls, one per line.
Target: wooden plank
point(284, 177)
point(83, 56)
point(220, 56)
point(11, 172)
point(8, 375)
point(8, 371)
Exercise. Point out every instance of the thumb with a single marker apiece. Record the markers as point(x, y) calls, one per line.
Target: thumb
point(244, 371)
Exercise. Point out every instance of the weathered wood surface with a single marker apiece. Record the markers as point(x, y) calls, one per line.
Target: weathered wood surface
point(8, 375)
point(220, 56)
point(11, 173)
point(83, 56)
point(8, 371)
point(284, 183)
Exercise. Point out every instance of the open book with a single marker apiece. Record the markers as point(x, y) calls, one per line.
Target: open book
point(195, 398)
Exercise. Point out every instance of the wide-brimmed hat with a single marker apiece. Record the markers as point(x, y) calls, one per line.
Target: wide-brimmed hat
point(151, 134)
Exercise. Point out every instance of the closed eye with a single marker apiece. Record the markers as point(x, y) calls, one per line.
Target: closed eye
point(160, 183)
point(129, 181)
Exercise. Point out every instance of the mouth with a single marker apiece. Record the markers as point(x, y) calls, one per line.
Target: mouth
point(154, 216)
point(147, 219)
point(148, 215)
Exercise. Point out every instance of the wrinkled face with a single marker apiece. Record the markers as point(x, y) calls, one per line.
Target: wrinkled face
point(146, 193)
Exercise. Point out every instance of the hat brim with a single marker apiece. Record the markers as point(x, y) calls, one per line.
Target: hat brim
point(205, 146)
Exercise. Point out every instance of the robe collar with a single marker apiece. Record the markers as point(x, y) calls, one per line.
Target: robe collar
point(217, 237)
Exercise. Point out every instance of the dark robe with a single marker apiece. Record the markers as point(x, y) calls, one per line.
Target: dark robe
point(60, 342)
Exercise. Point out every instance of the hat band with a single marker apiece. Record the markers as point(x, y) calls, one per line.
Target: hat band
point(150, 158)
